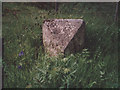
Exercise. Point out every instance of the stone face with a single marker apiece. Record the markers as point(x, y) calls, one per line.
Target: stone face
point(63, 36)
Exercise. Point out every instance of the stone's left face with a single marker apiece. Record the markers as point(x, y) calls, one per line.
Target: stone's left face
point(63, 35)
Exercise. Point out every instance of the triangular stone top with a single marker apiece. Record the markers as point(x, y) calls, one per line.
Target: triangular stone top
point(58, 33)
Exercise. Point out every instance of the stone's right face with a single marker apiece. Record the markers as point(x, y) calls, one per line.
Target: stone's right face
point(61, 35)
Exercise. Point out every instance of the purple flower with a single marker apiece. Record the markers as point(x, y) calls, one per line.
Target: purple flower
point(19, 67)
point(21, 53)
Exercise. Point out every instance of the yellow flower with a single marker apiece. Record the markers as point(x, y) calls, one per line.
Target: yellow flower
point(56, 69)
point(64, 59)
point(20, 64)
point(66, 70)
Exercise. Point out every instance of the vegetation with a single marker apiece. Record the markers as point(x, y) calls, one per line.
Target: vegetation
point(27, 66)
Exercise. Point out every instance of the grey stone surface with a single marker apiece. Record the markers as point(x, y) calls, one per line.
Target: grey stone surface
point(63, 36)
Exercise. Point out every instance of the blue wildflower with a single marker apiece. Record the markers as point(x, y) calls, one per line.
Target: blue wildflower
point(21, 53)
point(19, 67)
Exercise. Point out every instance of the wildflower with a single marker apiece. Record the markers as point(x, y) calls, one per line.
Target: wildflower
point(64, 59)
point(66, 70)
point(19, 67)
point(21, 53)
point(71, 55)
point(56, 69)
point(89, 61)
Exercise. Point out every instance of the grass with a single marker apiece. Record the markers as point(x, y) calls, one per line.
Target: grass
point(96, 66)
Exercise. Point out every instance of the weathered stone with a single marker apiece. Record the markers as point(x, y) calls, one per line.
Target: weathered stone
point(63, 36)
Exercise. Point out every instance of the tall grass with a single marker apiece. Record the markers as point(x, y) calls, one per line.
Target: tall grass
point(27, 66)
